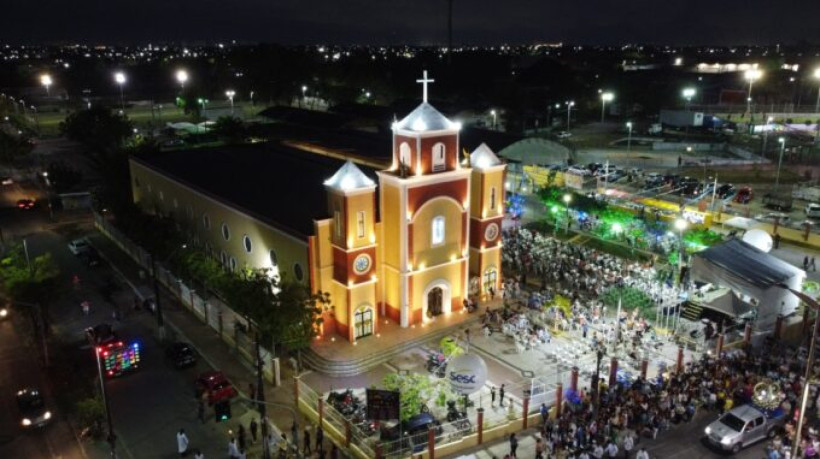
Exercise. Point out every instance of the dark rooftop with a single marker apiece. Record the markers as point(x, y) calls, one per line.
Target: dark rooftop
point(281, 186)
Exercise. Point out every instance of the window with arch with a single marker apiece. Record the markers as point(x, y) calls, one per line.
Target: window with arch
point(437, 233)
point(161, 195)
point(226, 232)
point(233, 264)
point(223, 259)
point(360, 224)
point(493, 198)
point(337, 220)
point(274, 260)
point(405, 156)
point(297, 272)
point(438, 157)
point(246, 241)
point(206, 221)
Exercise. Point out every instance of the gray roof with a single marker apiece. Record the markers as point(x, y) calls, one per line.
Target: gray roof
point(749, 263)
point(425, 118)
point(349, 177)
point(483, 157)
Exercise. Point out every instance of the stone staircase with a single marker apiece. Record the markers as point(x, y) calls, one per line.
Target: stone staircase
point(352, 367)
point(692, 311)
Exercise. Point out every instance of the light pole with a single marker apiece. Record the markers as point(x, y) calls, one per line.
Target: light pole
point(567, 200)
point(782, 141)
point(688, 94)
point(605, 97)
point(495, 118)
point(680, 225)
point(119, 77)
point(304, 90)
point(182, 78)
point(817, 77)
point(230, 93)
point(112, 439)
point(766, 134)
point(812, 303)
point(251, 98)
point(46, 81)
point(570, 104)
point(629, 140)
point(752, 75)
point(160, 319)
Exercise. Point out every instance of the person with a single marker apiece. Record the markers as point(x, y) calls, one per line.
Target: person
point(540, 448)
point(182, 443)
point(805, 263)
point(86, 305)
point(242, 454)
point(501, 396)
point(198, 454)
point(294, 434)
point(628, 444)
point(777, 241)
point(306, 448)
point(612, 449)
point(233, 450)
point(254, 428)
point(642, 454)
point(241, 437)
point(320, 440)
point(334, 452)
point(812, 265)
point(544, 413)
point(513, 444)
point(492, 396)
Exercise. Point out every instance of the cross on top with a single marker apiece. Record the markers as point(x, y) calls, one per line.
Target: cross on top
point(424, 80)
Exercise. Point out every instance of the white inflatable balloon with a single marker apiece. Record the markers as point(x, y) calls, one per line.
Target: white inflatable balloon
point(759, 239)
point(467, 373)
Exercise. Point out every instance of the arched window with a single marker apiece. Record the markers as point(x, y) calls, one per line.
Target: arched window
point(246, 240)
point(437, 236)
point(274, 260)
point(492, 198)
point(298, 273)
point(206, 221)
point(226, 232)
point(405, 155)
point(438, 157)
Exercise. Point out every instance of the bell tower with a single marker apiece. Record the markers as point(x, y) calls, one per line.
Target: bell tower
point(486, 213)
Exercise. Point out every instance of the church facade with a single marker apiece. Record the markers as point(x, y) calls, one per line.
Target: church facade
point(429, 241)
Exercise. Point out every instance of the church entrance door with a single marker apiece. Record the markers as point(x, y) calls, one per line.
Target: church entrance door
point(435, 301)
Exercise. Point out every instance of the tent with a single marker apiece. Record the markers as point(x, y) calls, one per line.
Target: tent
point(751, 273)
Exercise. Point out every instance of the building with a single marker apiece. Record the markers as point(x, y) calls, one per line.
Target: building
point(407, 243)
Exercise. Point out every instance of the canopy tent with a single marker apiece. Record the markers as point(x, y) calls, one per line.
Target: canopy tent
point(723, 300)
point(741, 223)
point(753, 273)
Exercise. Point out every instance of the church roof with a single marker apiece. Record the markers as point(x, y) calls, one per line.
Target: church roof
point(426, 118)
point(349, 177)
point(483, 157)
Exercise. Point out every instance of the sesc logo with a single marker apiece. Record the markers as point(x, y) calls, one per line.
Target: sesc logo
point(461, 378)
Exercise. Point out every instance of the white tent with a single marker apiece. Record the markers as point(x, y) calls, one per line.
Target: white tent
point(753, 274)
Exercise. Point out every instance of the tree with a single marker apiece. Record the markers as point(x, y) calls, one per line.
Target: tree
point(13, 146)
point(34, 282)
point(63, 177)
point(97, 128)
point(230, 129)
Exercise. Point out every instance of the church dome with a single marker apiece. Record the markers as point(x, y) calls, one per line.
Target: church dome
point(426, 118)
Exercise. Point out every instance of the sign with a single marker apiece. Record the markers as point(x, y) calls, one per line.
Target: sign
point(467, 373)
point(382, 405)
point(118, 358)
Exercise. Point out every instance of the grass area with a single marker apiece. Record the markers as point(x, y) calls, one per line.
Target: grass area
point(745, 176)
point(759, 117)
point(590, 241)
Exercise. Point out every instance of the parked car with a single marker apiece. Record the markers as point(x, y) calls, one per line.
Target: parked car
point(32, 406)
point(578, 170)
point(744, 195)
point(812, 210)
point(415, 431)
point(743, 426)
point(564, 135)
point(90, 257)
point(725, 190)
point(772, 216)
point(214, 386)
point(6, 181)
point(25, 204)
point(777, 201)
point(180, 355)
point(78, 246)
point(101, 334)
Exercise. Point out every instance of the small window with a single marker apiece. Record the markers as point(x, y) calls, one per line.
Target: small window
point(233, 264)
point(438, 230)
point(360, 224)
point(247, 242)
point(492, 198)
point(206, 221)
point(223, 259)
point(161, 195)
point(274, 260)
point(149, 188)
point(176, 203)
point(337, 223)
point(297, 272)
point(226, 232)
point(190, 211)
point(438, 157)
point(405, 154)
point(137, 182)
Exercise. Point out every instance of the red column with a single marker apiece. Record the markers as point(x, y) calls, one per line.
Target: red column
point(644, 367)
point(559, 399)
point(719, 346)
point(747, 334)
point(348, 433)
point(379, 453)
point(480, 425)
point(679, 365)
point(431, 442)
point(613, 371)
point(526, 407)
point(573, 379)
point(321, 411)
point(778, 326)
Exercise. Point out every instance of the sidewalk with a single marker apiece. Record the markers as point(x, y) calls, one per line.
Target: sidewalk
point(184, 326)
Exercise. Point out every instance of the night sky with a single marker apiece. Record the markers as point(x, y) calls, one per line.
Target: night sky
point(412, 21)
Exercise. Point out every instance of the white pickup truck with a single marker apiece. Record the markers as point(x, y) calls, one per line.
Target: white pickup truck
point(743, 426)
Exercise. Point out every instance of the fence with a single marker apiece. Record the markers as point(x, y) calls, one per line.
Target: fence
point(230, 326)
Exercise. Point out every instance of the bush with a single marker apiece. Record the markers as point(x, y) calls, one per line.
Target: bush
point(90, 411)
point(631, 298)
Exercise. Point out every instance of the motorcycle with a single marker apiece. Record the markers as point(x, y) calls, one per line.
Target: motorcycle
point(437, 364)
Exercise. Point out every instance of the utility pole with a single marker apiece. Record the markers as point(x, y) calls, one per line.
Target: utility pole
point(259, 398)
point(160, 320)
point(112, 439)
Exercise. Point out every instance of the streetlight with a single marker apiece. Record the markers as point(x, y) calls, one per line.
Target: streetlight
point(766, 134)
point(752, 75)
point(570, 104)
point(160, 320)
point(811, 302)
point(45, 80)
point(230, 93)
point(817, 77)
point(680, 225)
point(304, 90)
point(688, 94)
point(182, 78)
point(628, 139)
point(119, 77)
point(782, 141)
point(567, 200)
point(605, 97)
point(495, 118)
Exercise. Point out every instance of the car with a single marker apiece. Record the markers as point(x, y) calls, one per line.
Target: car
point(181, 355)
point(215, 386)
point(772, 216)
point(595, 168)
point(564, 135)
point(25, 204)
point(101, 334)
point(578, 170)
point(743, 426)
point(78, 246)
point(6, 181)
point(32, 406)
point(725, 190)
point(744, 195)
point(90, 257)
point(812, 210)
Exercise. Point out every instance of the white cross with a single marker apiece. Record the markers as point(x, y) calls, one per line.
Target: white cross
point(424, 80)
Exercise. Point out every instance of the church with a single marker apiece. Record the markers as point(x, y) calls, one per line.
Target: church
point(409, 248)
